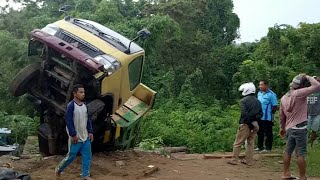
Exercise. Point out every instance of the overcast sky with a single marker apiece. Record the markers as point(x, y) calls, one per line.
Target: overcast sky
point(11, 4)
point(257, 15)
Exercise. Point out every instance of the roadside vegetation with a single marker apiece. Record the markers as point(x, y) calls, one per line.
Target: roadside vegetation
point(192, 62)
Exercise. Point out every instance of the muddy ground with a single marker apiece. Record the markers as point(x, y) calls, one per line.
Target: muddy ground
point(134, 165)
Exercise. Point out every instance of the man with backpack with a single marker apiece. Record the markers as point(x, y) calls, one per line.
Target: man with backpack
point(251, 112)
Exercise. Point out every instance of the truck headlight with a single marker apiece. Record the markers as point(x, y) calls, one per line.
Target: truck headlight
point(50, 29)
point(110, 64)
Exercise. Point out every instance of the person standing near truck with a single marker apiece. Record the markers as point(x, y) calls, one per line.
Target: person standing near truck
point(269, 103)
point(314, 114)
point(293, 121)
point(79, 129)
point(251, 112)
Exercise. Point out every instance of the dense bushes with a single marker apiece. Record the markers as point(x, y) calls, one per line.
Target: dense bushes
point(192, 61)
point(202, 129)
point(20, 125)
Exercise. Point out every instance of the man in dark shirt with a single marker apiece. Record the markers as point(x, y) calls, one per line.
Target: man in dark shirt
point(314, 114)
point(251, 112)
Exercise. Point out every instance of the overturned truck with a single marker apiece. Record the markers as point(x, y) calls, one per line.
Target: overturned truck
point(109, 65)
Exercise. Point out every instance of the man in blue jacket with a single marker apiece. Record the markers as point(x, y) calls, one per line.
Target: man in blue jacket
point(79, 129)
point(269, 103)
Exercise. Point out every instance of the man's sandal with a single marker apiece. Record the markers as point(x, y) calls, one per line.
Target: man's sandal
point(233, 162)
point(245, 162)
point(289, 177)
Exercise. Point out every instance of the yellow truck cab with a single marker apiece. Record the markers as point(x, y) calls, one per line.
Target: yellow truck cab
point(109, 65)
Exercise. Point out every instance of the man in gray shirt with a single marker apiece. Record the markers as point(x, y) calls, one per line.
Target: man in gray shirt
point(314, 114)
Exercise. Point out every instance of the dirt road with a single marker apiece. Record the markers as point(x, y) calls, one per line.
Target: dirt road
point(134, 165)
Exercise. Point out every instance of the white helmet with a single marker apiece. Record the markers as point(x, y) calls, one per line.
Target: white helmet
point(247, 88)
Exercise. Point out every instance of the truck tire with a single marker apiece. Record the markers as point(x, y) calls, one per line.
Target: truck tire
point(95, 107)
point(21, 82)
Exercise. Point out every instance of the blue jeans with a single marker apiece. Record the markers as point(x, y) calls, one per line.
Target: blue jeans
point(85, 149)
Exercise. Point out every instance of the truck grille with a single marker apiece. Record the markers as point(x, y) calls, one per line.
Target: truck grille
point(79, 43)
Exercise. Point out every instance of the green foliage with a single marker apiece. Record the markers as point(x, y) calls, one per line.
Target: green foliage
point(201, 129)
point(21, 126)
point(107, 11)
point(151, 144)
point(206, 130)
point(188, 90)
point(191, 61)
point(313, 161)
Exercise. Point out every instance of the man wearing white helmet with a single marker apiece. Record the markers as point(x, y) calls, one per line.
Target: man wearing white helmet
point(251, 112)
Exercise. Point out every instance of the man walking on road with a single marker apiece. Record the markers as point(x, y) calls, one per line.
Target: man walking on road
point(79, 129)
point(268, 100)
point(293, 121)
point(250, 113)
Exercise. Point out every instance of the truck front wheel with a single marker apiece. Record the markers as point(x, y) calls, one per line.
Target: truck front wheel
point(24, 79)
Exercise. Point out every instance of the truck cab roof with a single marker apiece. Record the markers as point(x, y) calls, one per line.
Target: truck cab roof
point(115, 39)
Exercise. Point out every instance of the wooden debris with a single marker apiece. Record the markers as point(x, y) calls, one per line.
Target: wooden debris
point(150, 170)
point(48, 157)
point(186, 157)
point(15, 158)
point(120, 163)
point(271, 155)
point(219, 156)
point(31, 156)
point(175, 149)
point(166, 150)
point(7, 165)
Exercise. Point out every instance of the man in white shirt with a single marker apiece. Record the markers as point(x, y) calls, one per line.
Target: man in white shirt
point(79, 129)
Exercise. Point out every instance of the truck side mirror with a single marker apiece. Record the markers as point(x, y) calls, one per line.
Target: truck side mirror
point(144, 33)
point(65, 9)
point(35, 48)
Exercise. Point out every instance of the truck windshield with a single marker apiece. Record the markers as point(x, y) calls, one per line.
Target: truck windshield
point(107, 37)
point(3, 139)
